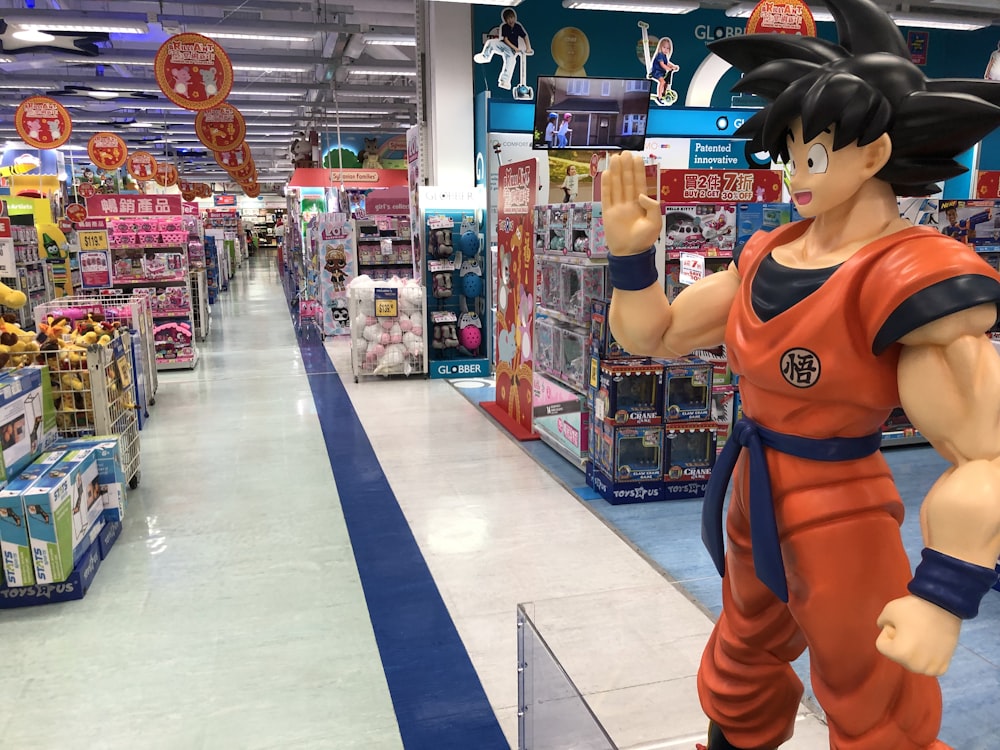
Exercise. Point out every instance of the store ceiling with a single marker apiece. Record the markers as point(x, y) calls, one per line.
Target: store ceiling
point(355, 58)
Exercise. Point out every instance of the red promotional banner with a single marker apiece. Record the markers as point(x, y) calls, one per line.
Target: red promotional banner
point(221, 128)
point(76, 212)
point(90, 224)
point(988, 185)
point(193, 71)
point(225, 199)
point(42, 122)
point(166, 175)
point(720, 185)
point(107, 151)
point(394, 200)
point(235, 159)
point(190, 209)
point(133, 205)
point(515, 298)
point(141, 165)
point(781, 17)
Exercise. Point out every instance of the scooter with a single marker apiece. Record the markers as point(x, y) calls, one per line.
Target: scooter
point(523, 92)
point(669, 96)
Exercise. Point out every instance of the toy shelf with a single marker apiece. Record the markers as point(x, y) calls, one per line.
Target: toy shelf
point(199, 303)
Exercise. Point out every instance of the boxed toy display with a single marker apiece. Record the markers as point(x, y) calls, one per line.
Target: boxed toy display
point(15, 542)
point(602, 341)
point(562, 414)
point(759, 217)
point(689, 453)
point(700, 225)
point(687, 389)
point(629, 454)
point(558, 224)
point(630, 392)
point(723, 412)
point(975, 222)
point(110, 471)
point(578, 285)
point(27, 418)
point(62, 506)
point(571, 362)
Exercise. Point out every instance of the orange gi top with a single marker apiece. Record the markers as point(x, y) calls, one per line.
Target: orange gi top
point(811, 370)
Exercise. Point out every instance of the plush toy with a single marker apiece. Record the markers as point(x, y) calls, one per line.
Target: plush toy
point(11, 297)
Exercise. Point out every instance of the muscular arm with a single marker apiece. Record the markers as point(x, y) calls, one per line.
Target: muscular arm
point(644, 323)
point(949, 386)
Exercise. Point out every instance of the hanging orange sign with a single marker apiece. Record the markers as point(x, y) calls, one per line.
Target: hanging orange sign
point(252, 191)
point(141, 165)
point(234, 159)
point(107, 151)
point(781, 17)
point(166, 175)
point(76, 212)
point(86, 190)
point(221, 128)
point(193, 71)
point(42, 122)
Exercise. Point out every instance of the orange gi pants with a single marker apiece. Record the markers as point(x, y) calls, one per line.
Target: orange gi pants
point(844, 561)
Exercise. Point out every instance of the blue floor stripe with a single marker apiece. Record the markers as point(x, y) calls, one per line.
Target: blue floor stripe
point(437, 695)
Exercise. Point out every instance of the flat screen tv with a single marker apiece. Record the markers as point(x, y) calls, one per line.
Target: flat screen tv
point(591, 113)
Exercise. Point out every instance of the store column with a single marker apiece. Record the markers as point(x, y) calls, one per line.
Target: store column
point(445, 69)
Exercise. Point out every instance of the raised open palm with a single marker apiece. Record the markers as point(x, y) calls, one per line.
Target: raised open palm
point(632, 219)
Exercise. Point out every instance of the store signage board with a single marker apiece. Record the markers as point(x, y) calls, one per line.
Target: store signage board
point(131, 205)
point(93, 239)
point(193, 71)
point(88, 224)
point(226, 199)
point(43, 122)
point(166, 175)
point(692, 268)
point(107, 151)
point(76, 212)
point(190, 209)
point(781, 17)
point(394, 201)
point(719, 186)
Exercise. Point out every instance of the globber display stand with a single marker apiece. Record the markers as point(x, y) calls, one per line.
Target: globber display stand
point(458, 330)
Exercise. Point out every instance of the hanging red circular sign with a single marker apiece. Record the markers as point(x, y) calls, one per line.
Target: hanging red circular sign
point(252, 190)
point(76, 212)
point(166, 175)
point(141, 165)
point(781, 17)
point(220, 128)
point(86, 190)
point(42, 122)
point(193, 71)
point(107, 151)
point(234, 159)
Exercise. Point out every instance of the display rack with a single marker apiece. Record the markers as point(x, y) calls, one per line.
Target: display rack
point(201, 315)
point(385, 247)
point(32, 274)
point(330, 265)
point(154, 261)
point(387, 328)
point(223, 225)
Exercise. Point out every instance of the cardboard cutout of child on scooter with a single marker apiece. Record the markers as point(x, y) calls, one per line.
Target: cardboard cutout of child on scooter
point(659, 67)
point(512, 44)
point(831, 323)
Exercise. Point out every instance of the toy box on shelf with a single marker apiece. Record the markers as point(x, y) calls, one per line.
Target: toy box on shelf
point(149, 255)
point(387, 327)
point(457, 327)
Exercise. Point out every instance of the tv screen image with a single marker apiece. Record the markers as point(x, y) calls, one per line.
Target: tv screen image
point(591, 113)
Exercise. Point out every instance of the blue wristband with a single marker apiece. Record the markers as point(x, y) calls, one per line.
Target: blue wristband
point(632, 273)
point(952, 584)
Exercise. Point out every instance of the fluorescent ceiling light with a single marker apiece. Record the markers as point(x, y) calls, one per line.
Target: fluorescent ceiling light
point(631, 6)
point(91, 27)
point(381, 71)
point(744, 10)
point(927, 21)
point(276, 68)
point(31, 35)
point(508, 3)
point(258, 37)
point(395, 40)
point(102, 95)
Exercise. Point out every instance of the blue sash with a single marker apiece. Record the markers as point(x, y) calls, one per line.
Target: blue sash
point(767, 560)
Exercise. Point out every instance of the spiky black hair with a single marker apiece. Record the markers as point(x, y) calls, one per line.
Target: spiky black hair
point(864, 87)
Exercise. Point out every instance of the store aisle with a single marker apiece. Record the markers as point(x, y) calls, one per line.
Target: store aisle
point(230, 614)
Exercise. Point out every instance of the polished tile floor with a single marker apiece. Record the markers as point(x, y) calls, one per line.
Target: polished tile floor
point(314, 563)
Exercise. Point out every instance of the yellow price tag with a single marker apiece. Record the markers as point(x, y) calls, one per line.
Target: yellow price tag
point(93, 240)
point(386, 303)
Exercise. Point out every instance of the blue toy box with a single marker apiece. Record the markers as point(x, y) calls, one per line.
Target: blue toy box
point(687, 389)
point(688, 458)
point(759, 217)
point(15, 542)
point(630, 392)
point(110, 471)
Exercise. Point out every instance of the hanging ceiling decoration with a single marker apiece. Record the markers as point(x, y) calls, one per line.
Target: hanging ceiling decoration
point(14, 41)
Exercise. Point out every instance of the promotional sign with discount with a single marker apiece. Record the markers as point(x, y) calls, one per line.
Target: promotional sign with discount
point(221, 128)
point(107, 151)
point(988, 185)
point(7, 256)
point(692, 268)
point(193, 71)
point(76, 212)
point(720, 186)
point(131, 205)
point(141, 165)
point(95, 267)
point(515, 297)
point(166, 175)
point(42, 122)
point(781, 17)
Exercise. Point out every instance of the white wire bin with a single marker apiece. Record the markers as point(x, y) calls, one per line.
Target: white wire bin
point(387, 344)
